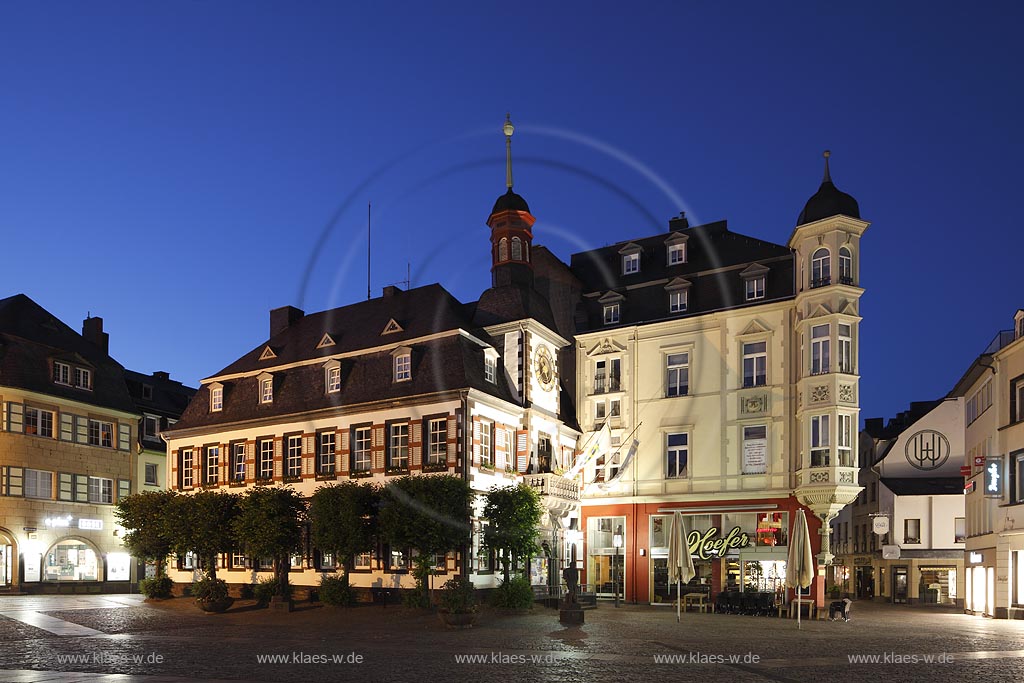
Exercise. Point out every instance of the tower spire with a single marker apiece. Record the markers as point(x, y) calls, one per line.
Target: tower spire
point(508, 130)
point(828, 176)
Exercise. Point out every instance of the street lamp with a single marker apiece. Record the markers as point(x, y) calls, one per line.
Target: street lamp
point(617, 542)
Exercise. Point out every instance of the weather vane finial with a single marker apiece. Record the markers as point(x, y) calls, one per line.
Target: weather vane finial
point(508, 130)
point(828, 176)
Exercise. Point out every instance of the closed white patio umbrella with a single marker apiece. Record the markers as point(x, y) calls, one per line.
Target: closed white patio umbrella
point(800, 562)
point(680, 562)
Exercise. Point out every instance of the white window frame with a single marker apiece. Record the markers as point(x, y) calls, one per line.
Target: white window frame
point(676, 254)
point(211, 465)
point(677, 374)
point(631, 263)
point(821, 267)
point(362, 561)
point(845, 339)
point(98, 429)
point(265, 459)
point(333, 379)
point(186, 455)
point(614, 408)
point(403, 367)
point(83, 378)
point(151, 426)
point(238, 560)
point(821, 348)
point(38, 484)
point(216, 399)
point(909, 524)
point(844, 440)
point(490, 369)
point(362, 449)
point(293, 455)
point(326, 460)
point(845, 265)
point(754, 288)
point(677, 453)
point(39, 422)
point(678, 300)
point(101, 490)
point(486, 447)
point(398, 446)
point(437, 451)
point(267, 390)
point(820, 440)
point(757, 361)
point(612, 313)
point(61, 373)
point(238, 461)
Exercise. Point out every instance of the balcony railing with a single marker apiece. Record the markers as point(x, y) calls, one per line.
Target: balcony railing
point(821, 282)
point(554, 486)
point(604, 384)
point(846, 279)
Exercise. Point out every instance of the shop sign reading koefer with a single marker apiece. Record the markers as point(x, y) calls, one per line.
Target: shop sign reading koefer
point(705, 545)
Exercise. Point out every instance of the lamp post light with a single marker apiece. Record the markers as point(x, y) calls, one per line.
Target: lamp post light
point(617, 542)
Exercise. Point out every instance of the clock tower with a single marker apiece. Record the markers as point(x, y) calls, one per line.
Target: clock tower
point(511, 226)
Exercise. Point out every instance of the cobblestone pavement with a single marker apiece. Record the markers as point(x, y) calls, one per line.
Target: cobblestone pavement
point(173, 642)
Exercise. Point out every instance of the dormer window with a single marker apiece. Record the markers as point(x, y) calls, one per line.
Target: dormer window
point(755, 288)
point(611, 314)
point(403, 364)
point(266, 383)
point(151, 427)
point(332, 376)
point(490, 369)
point(83, 378)
point(147, 392)
point(677, 301)
point(61, 373)
point(216, 398)
point(676, 254)
point(630, 264)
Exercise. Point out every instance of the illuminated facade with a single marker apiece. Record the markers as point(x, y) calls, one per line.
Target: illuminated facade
point(734, 363)
point(68, 438)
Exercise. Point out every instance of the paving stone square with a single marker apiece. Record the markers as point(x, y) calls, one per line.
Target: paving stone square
point(124, 638)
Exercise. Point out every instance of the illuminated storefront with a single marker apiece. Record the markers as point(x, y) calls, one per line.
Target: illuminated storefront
point(70, 560)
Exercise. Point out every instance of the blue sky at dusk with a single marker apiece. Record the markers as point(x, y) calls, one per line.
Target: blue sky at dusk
point(181, 168)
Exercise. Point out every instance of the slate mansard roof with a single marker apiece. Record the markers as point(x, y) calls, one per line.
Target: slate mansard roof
point(31, 339)
point(446, 360)
point(715, 259)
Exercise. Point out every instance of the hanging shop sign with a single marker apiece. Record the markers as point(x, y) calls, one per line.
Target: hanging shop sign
point(969, 487)
point(707, 544)
point(880, 525)
point(976, 558)
point(994, 478)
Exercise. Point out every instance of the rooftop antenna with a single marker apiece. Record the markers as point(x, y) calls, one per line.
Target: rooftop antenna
point(367, 251)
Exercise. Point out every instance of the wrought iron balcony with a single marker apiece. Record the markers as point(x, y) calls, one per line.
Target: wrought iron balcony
point(554, 486)
point(821, 281)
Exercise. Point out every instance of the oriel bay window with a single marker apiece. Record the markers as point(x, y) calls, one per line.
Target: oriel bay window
point(844, 440)
point(820, 349)
point(821, 269)
point(845, 348)
point(821, 451)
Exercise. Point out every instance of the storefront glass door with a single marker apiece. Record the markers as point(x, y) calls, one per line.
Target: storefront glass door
point(605, 561)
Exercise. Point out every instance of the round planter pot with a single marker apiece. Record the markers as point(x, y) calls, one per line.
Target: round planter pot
point(216, 606)
point(457, 619)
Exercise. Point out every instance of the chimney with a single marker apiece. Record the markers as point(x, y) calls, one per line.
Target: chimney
point(873, 425)
point(680, 223)
point(92, 330)
point(390, 291)
point(283, 318)
point(160, 374)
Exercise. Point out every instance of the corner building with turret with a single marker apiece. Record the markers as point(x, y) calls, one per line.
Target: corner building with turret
point(729, 360)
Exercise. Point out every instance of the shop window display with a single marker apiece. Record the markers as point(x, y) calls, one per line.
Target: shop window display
point(70, 561)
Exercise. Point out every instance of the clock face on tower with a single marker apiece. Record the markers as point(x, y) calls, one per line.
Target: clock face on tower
point(544, 367)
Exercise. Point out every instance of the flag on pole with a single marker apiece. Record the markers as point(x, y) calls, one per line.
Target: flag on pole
point(600, 443)
point(623, 465)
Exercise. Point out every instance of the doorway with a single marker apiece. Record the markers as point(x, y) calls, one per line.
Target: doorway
point(899, 584)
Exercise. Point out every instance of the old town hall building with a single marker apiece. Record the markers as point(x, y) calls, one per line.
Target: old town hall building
point(730, 361)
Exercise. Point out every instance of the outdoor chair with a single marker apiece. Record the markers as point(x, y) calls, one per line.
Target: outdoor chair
point(840, 609)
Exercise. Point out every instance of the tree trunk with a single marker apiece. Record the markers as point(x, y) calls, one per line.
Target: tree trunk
point(161, 567)
point(211, 566)
point(281, 572)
